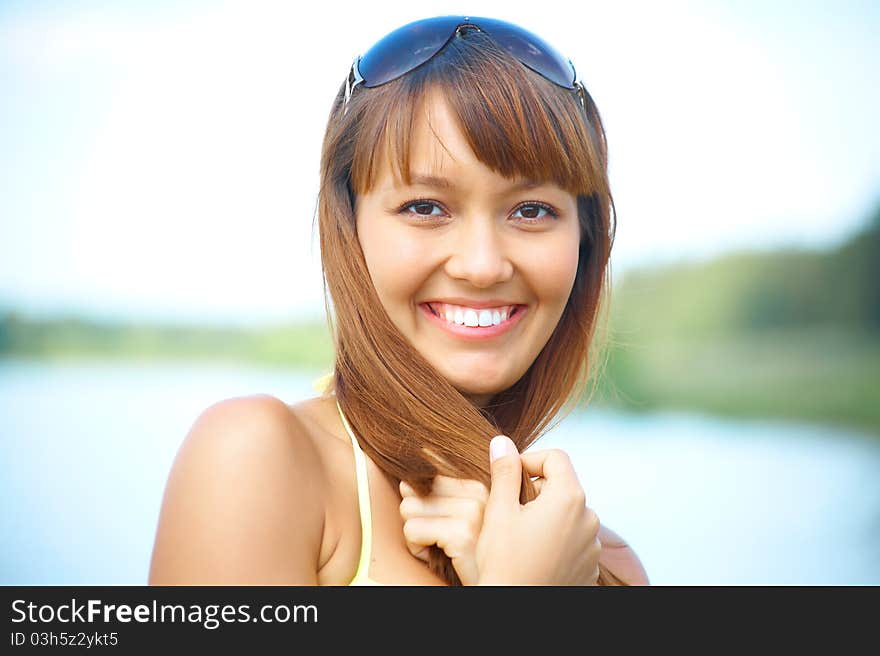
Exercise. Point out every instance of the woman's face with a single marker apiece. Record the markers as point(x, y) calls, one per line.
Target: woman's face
point(478, 241)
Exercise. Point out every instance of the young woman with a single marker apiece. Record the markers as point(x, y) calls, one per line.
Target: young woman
point(466, 224)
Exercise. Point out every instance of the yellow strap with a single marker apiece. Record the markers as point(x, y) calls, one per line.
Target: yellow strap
point(363, 500)
point(321, 383)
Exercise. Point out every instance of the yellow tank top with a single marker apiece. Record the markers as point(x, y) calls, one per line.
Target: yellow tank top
point(361, 576)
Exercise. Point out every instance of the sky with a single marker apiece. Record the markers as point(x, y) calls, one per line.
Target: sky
point(159, 160)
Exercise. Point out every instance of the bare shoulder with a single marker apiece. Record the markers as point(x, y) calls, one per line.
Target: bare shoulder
point(620, 558)
point(243, 501)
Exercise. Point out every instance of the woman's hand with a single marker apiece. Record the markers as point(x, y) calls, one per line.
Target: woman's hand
point(552, 540)
point(451, 517)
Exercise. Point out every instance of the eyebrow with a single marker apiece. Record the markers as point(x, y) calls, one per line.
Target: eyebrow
point(444, 183)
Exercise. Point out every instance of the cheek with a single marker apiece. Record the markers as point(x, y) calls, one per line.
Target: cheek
point(555, 270)
point(393, 260)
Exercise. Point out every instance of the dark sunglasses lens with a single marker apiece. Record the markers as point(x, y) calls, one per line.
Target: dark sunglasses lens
point(405, 48)
point(530, 49)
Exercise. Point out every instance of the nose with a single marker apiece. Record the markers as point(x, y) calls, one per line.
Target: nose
point(478, 254)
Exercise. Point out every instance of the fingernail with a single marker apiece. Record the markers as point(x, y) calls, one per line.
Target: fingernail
point(498, 447)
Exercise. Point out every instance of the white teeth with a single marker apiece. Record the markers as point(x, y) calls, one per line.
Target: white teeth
point(472, 317)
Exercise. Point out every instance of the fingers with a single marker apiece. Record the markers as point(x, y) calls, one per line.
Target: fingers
point(506, 466)
point(542, 466)
point(553, 465)
point(460, 487)
point(469, 509)
point(454, 536)
point(419, 536)
point(419, 551)
point(450, 516)
point(447, 486)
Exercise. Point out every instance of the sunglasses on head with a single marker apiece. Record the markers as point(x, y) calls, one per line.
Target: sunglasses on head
point(410, 46)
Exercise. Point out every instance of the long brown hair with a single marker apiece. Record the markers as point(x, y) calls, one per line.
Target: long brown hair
point(407, 417)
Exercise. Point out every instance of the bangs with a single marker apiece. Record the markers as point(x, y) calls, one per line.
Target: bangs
point(517, 123)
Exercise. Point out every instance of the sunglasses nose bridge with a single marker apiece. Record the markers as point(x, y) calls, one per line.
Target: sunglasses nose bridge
point(466, 26)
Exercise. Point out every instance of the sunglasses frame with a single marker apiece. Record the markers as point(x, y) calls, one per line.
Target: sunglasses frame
point(355, 78)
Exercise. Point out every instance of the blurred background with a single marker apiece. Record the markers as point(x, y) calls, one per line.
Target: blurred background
point(158, 181)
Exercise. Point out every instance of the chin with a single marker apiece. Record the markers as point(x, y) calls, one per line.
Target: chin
point(468, 388)
point(474, 377)
point(470, 392)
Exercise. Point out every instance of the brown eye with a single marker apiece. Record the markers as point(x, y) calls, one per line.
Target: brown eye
point(423, 209)
point(532, 212)
point(423, 206)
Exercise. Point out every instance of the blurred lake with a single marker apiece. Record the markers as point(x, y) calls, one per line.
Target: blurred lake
point(85, 449)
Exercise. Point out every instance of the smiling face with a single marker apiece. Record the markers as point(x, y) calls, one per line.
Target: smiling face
point(479, 238)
